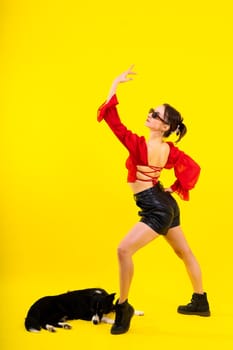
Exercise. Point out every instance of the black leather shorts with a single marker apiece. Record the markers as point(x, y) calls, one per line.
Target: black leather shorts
point(159, 210)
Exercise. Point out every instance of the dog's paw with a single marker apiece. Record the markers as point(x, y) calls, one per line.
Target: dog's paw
point(50, 328)
point(107, 320)
point(65, 325)
point(139, 313)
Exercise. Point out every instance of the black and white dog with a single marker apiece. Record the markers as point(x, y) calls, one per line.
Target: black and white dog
point(51, 312)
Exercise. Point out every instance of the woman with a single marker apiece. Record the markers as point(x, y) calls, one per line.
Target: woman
point(159, 211)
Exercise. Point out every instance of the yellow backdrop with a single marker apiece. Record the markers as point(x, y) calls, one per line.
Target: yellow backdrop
point(65, 203)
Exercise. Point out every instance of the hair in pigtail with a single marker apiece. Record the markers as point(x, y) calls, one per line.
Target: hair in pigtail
point(180, 131)
point(174, 119)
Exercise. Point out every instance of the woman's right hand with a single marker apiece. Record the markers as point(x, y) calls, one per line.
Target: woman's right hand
point(122, 78)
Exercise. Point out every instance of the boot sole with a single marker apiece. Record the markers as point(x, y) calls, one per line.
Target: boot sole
point(201, 313)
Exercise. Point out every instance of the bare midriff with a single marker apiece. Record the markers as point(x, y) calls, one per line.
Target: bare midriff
point(147, 177)
point(139, 186)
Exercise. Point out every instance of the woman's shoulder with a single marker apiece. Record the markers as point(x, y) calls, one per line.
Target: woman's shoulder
point(179, 157)
point(172, 147)
point(174, 154)
point(174, 150)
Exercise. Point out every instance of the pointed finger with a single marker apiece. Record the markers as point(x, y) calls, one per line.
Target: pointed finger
point(130, 71)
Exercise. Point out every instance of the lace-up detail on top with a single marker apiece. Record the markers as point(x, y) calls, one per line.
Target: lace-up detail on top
point(146, 175)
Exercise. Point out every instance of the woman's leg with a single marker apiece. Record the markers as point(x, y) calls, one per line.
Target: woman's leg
point(176, 239)
point(199, 304)
point(138, 237)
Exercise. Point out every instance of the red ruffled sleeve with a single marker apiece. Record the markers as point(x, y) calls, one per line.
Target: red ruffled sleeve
point(105, 106)
point(135, 144)
point(186, 170)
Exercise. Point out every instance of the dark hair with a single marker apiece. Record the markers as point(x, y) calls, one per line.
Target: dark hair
point(174, 119)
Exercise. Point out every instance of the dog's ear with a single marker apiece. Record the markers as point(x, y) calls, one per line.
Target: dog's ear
point(111, 296)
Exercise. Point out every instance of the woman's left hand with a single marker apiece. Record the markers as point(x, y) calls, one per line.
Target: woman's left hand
point(168, 189)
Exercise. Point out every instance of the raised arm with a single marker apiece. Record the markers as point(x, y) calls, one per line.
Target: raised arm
point(122, 78)
point(109, 113)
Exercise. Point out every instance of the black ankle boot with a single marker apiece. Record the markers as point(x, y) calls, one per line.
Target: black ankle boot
point(199, 306)
point(124, 313)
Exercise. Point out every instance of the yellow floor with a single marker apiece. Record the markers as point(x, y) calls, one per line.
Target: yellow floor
point(160, 327)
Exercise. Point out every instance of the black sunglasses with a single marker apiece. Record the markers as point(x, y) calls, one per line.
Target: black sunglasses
point(155, 115)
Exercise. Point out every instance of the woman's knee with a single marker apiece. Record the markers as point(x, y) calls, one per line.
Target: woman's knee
point(123, 250)
point(184, 254)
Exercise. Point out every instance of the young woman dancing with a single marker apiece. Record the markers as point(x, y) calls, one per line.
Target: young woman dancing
point(159, 212)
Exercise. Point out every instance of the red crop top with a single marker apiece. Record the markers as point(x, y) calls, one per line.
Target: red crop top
point(186, 170)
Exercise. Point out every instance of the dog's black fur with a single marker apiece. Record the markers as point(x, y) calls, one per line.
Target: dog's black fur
point(52, 311)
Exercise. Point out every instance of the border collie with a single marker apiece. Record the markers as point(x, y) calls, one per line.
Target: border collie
point(52, 312)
